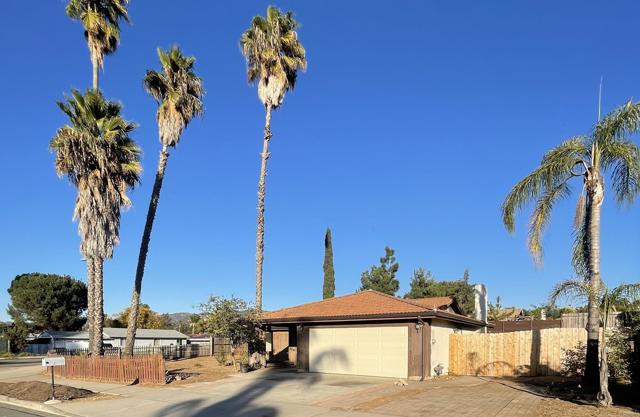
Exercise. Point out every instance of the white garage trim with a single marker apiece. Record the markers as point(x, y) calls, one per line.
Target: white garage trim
point(372, 351)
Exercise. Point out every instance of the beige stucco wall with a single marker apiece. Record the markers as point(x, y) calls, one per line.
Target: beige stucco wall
point(440, 331)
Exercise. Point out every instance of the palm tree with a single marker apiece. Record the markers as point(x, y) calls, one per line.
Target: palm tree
point(606, 149)
point(97, 155)
point(274, 56)
point(178, 91)
point(606, 301)
point(101, 21)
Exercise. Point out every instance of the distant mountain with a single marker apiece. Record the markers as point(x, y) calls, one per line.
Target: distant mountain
point(179, 317)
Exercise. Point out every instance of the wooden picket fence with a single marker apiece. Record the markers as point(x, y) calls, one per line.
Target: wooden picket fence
point(146, 369)
point(526, 353)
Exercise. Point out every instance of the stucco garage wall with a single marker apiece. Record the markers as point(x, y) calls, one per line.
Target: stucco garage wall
point(440, 331)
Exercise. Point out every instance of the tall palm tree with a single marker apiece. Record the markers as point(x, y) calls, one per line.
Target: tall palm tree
point(274, 56)
point(178, 92)
point(605, 149)
point(606, 301)
point(101, 21)
point(100, 159)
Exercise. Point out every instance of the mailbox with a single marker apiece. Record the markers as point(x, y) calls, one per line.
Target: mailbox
point(54, 361)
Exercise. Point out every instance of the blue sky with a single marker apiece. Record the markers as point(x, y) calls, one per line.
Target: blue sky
point(408, 129)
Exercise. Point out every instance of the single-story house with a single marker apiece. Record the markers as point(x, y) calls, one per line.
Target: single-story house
point(114, 337)
point(368, 333)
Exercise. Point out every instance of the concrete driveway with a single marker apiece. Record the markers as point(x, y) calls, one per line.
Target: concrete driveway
point(287, 393)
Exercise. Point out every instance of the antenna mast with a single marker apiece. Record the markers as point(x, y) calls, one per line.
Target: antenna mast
point(600, 98)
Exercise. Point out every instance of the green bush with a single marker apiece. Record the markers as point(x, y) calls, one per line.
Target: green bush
point(619, 353)
point(221, 357)
point(573, 360)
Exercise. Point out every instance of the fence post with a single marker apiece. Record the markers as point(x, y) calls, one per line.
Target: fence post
point(211, 350)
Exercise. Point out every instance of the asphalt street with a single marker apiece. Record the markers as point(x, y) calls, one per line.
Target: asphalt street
point(11, 411)
point(10, 363)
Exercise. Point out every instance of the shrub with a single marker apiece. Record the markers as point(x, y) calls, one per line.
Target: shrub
point(619, 353)
point(573, 360)
point(221, 357)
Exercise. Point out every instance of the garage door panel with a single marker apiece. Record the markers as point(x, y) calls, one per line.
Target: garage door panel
point(376, 351)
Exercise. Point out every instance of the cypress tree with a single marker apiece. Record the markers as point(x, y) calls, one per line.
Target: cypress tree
point(329, 283)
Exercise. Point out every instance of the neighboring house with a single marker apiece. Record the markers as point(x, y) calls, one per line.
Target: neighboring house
point(114, 337)
point(368, 333)
point(513, 314)
point(200, 338)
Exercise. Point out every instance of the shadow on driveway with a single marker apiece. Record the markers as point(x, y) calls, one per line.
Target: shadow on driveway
point(246, 402)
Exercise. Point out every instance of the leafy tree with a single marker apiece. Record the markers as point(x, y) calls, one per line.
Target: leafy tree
point(605, 300)
point(232, 318)
point(47, 301)
point(496, 311)
point(195, 323)
point(551, 312)
point(423, 285)
point(382, 278)
point(606, 149)
point(329, 282)
point(147, 318)
point(274, 56)
point(178, 92)
point(101, 160)
point(101, 22)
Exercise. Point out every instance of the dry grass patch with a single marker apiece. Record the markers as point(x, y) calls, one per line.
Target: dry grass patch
point(203, 369)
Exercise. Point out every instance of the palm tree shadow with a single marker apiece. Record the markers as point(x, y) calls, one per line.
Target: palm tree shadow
point(245, 402)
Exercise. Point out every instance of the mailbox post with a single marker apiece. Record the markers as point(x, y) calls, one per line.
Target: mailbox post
point(51, 362)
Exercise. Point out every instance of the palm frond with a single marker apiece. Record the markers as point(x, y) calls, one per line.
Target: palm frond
point(623, 157)
point(541, 215)
point(573, 290)
point(554, 169)
point(274, 55)
point(178, 92)
point(618, 124)
point(101, 22)
point(99, 157)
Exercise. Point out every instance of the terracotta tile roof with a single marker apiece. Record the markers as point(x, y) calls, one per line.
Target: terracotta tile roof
point(434, 302)
point(363, 303)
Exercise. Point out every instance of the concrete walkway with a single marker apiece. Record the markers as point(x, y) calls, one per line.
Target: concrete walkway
point(286, 393)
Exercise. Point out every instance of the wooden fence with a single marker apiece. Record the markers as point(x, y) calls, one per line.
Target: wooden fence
point(505, 326)
point(527, 353)
point(579, 320)
point(146, 369)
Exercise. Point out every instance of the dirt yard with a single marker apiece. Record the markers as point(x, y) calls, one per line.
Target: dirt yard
point(204, 369)
point(560, 408)
point(41, 391)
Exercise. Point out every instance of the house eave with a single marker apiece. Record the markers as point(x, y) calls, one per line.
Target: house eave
point(376, 317)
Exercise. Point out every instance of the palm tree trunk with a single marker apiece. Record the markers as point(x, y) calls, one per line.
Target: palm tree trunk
point(595, 196)
point(94, 64)
point(98, 307)
point(144, 248)
point(90, 300)
point(604, 396)
point(261, 194)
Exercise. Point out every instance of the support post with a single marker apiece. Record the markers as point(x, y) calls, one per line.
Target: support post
point(53, 385)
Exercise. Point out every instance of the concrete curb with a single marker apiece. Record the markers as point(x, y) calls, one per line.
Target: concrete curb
point(32, 405)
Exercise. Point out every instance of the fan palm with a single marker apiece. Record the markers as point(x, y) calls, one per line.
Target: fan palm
point(100, 159)
point(101, 21)
point(178, 92)
point(274, 56)
point(606, 301)
point(606, 149)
